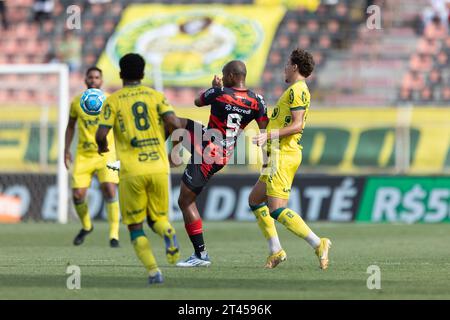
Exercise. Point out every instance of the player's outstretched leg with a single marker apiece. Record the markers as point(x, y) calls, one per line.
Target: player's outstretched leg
point(266, 224)
point(194, 228)
point(165, 230)
point(294, 223)
point(112, 210)
point(82, 209)
point(144, 252)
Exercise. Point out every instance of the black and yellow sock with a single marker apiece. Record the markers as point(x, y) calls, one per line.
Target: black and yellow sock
point(163, 228)
point(112, 210)
point(143, 250)
point(292, 221)
point(82, 210)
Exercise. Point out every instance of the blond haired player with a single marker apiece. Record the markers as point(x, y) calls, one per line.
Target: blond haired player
point(269, 197)
point(139, 116)
point(88, 162)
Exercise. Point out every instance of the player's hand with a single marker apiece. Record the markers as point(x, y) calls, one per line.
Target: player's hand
point(217, 81)
point(67, 159)
point(260, 139)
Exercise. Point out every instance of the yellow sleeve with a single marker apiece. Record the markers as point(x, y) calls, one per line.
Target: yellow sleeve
point(73, 108)
point(298, 99)
point(108, 115)
point(164, 106)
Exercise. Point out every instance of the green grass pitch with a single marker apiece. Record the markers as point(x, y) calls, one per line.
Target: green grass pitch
point(414, 262)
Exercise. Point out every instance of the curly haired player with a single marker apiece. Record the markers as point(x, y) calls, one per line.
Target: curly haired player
point(269, 197)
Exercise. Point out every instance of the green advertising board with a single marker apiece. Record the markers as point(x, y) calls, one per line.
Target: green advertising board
point(405, 200)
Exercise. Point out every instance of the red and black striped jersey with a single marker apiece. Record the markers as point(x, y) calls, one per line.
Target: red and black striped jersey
point(232, 110)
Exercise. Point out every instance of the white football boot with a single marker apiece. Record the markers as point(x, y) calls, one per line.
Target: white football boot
point(194, 261)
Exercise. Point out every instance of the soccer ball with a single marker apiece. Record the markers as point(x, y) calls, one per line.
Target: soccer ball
point(92, 101)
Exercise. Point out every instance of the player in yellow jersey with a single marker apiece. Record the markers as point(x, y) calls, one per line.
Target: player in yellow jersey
point(139, 116)
point(88, 162)
point(269, 197)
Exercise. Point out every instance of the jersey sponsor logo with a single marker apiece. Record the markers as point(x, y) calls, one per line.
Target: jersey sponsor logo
point(89, 145)
point(134, 212)
point(144, 142)
point(240, 110)
point(152, 156)
point(88, 123)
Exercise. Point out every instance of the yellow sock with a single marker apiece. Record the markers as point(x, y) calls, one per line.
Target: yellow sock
point(265, 221)
point(82, 210)
point(163, 228)
point(112, 209)
point(292, 221)
point(143, 250)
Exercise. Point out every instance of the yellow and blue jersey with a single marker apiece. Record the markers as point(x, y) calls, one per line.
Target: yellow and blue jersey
point(296, 97)
point(135, 115)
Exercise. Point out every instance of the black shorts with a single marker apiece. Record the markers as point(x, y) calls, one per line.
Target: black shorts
point(197, 172)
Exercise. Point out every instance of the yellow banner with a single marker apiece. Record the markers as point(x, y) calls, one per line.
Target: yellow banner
point(310, 5)
point(369, 137)
point(188, 44)
point(337, 141)
point(363, 140)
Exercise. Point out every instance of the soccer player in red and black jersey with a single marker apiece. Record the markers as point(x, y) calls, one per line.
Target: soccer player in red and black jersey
point(233, 107)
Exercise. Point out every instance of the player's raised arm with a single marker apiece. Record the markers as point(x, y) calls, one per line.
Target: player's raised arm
point(207, 97)
point(70, 130)
point(199, 102)
point(262, 119)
